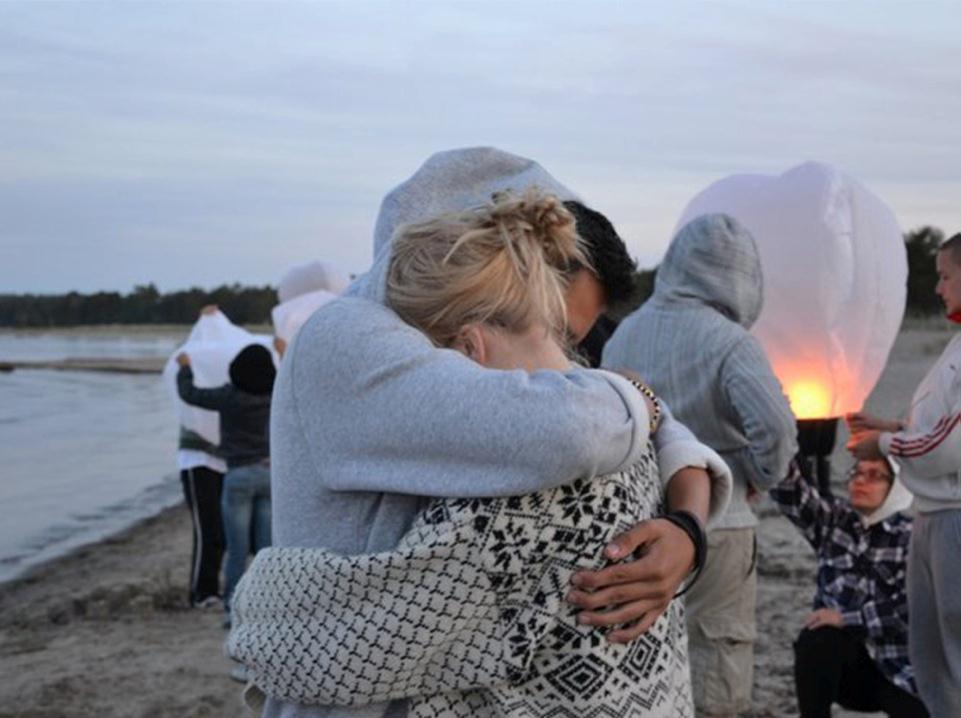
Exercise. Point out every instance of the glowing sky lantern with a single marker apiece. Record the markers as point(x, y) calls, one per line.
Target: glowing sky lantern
point(835, 278)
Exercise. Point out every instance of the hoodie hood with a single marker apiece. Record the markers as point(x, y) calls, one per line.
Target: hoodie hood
point(713, 261)
point(898, 498)
point(253, 371)
point(448, 181)
point(310, 277)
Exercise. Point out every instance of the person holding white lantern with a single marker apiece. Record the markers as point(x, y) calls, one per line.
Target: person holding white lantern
point(928, 447)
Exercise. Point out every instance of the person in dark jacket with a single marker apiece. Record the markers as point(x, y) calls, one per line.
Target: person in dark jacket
point(853, 649)
point(244, 408)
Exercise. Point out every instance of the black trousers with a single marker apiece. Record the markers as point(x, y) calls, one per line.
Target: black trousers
point(202, 490)
point(832, 666)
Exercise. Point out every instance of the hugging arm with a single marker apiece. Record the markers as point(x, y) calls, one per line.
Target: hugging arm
point(483, 432)
point(634, 595)
point(316, 628)
point(466, 600)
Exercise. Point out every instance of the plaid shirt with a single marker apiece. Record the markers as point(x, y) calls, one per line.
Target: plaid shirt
point(861, 571)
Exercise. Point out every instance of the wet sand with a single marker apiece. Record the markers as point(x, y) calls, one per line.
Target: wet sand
point(106, 631)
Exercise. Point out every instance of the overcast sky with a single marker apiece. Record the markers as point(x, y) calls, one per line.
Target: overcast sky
point(202, 143)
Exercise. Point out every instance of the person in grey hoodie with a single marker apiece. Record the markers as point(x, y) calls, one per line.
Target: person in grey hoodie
point(370, 420)
point(691, 343)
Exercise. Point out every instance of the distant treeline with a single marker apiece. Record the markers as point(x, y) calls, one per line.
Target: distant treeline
point(144, 305)
point(252, 305)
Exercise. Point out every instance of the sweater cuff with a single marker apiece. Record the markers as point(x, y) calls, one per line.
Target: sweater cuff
point(680, 454)
point(851, 619)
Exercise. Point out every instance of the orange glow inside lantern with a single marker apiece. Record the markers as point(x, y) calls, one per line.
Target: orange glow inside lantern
point(810, 399)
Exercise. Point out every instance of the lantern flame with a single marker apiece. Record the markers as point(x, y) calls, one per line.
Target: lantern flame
point(809, 399)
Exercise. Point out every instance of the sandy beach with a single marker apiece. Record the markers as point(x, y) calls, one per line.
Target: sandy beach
point(106, 631)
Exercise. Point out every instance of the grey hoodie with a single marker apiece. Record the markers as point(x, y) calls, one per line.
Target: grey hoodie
point(690, 342)
point(369, 418)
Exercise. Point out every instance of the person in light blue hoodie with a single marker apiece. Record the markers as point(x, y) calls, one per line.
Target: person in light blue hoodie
point(370, 420)
point(690, 342)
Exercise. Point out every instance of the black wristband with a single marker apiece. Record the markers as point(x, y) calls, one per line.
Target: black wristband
point(691, 525)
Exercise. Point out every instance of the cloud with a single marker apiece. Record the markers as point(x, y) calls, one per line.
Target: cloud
point(251, 135)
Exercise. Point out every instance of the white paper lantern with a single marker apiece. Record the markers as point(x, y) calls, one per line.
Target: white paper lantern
point(835, 275)
point(288, 317)
point(310, 277)
point(212, 344)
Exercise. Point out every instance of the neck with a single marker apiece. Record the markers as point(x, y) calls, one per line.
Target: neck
point(537, 349)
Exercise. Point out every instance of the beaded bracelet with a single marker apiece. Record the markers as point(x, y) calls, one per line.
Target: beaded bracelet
point(691, 525)
point(649, 393)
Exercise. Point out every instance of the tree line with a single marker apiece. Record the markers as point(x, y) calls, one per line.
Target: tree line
point(144, 305)
point(252, 305)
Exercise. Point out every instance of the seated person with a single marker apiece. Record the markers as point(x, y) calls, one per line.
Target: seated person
point(467, 615)
point(853, 650)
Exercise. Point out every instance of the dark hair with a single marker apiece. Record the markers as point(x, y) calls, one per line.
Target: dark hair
point(252, 370)
point(952, 244)
point(606, 251)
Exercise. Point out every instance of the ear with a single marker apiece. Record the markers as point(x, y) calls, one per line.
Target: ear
point(470, 342)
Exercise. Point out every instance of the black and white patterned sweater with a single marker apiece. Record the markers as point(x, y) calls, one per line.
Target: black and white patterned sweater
point(466, 617)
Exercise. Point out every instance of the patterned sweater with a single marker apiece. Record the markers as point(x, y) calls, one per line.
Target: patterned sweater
point(861, 570)
point(467, 615)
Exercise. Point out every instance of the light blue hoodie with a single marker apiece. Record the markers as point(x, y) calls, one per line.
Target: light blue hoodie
point(369, 418)
point(691, 343)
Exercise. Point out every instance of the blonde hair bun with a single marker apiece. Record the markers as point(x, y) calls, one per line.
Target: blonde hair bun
point(539, 217)
point(502, 264)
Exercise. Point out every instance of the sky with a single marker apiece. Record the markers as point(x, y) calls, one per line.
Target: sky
point(196, 144)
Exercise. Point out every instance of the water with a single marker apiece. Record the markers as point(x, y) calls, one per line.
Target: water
point(90, 343)
point(82, 455)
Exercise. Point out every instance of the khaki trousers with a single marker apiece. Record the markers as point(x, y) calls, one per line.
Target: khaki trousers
point(721, 624)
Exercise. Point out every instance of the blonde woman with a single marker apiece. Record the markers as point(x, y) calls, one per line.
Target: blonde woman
point(467, 616)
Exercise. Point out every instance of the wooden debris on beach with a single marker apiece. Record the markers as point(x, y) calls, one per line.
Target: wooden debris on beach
point(115, 365)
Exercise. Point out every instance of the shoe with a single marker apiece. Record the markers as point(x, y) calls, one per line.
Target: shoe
point(209, 603)
point(239, 673)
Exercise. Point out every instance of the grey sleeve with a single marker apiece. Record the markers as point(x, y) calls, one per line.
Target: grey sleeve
point(764, 414)
point(384, 410)
point(677, 447)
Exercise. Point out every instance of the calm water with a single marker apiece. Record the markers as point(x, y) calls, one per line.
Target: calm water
point(82, 455)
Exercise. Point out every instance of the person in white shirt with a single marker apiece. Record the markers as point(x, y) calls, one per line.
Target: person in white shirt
point(928, 447)
point(202, 472)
